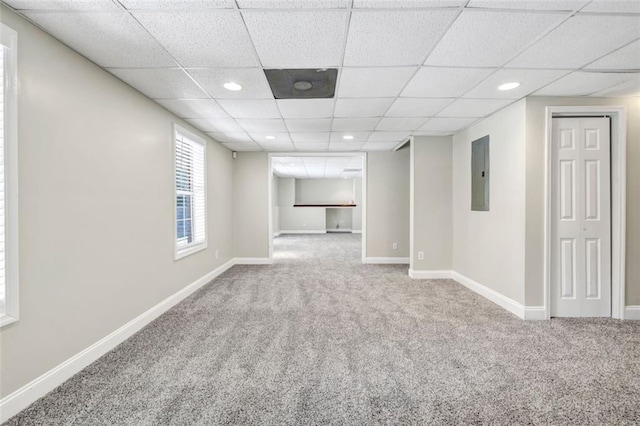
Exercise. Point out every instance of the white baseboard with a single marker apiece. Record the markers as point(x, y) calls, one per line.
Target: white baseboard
point(252, 261)
point(303, 231)
point(386, 260)
point(277, 234)
point(17, 401)
point(339, 230)
point(497, 298)
point(535, 313)
point(632, 312)
point(430, 275)
point(357, 232)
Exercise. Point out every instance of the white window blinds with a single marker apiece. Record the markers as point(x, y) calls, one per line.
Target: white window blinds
point(3, 282)
point(190, 192)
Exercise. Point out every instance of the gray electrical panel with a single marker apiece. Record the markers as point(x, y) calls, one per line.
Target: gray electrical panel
point(480, 174)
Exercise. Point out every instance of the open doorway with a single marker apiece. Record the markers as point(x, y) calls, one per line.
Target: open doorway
point(317, 206)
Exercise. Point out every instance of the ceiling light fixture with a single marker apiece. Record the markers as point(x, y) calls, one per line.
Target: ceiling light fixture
point(347, 137)
point(510, 85)
point(270, 137)
point(234, 87)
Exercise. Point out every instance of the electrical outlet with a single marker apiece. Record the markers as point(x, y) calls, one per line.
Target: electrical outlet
point(216, 254)
point(420, 255)
point(394, 246)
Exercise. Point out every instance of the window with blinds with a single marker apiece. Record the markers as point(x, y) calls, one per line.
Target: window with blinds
point(8, 177)
point(190, 192)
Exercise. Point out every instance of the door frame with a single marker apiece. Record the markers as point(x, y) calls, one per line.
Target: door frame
point(319, 154)
point(618, 198)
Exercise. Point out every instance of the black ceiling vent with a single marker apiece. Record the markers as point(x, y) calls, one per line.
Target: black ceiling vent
point(302, 83)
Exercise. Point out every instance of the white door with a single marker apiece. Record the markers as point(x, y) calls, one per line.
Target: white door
point(581, 218)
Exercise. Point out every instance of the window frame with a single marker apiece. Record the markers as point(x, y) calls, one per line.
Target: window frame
point(184, 251)
point(9, 38)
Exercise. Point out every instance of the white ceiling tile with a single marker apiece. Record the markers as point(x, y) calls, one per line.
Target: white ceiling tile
point(252, 125)
point(194, 108)
point(417, 107)
point(477, 38)
point(216, 125)
point(438, 124)
point(297, 39)
point(357, 137)
point(401, 4)
point(626, 58)
point(531, 81)
point(160, 83)
point(613, 6)
point(473, 107)
point(345, 146)
point(562, 5)
point(110, 39)
point(379, 136)
point(379, 146)
point(444, 82)
point(578, 41)
point(628, 88)
point(373, 82)
point(294, 4)
point(215, 38)
point(583, 83)
point(441, 133)
point(262, 137)
point(312, 146)
point(408, 36)
point(310, 137)
point(308, 124)
point(238, 146)
point(362, 107)
point(354, 124)
point(61, 4)
point(253, 81)
point(231, 137)
point(250, 108)
point(400, 124)
point(276, 146)
point(177, 4)
point(306, 108)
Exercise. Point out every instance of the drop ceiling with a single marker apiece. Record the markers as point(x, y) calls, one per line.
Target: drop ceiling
point(315, 167)
point(405, 67)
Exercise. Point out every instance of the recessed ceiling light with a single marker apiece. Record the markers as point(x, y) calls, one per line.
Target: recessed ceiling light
point(232, 86)
point(510, 85)
point(270, 137)
point(347, 137)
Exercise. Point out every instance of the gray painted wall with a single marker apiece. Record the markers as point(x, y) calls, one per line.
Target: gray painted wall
point(298, 218)
point(251, 182)
point(324, 191)
point(488, 246)
point(96, 207)
point(388, 203)
point(432, 202)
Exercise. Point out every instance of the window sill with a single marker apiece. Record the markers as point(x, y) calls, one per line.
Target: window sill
point(187, 251)
point(6, 320)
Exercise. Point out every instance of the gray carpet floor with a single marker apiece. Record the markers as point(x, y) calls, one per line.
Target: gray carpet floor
point(317, 338)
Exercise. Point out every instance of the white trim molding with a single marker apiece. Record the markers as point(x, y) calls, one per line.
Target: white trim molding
point(386, 260)
point(618, 200)
point(497, 298)
point(430, 275)
point(17, 401)
point(632, 312)
point(535, 313)
point(359, 231)
point(252, 261)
